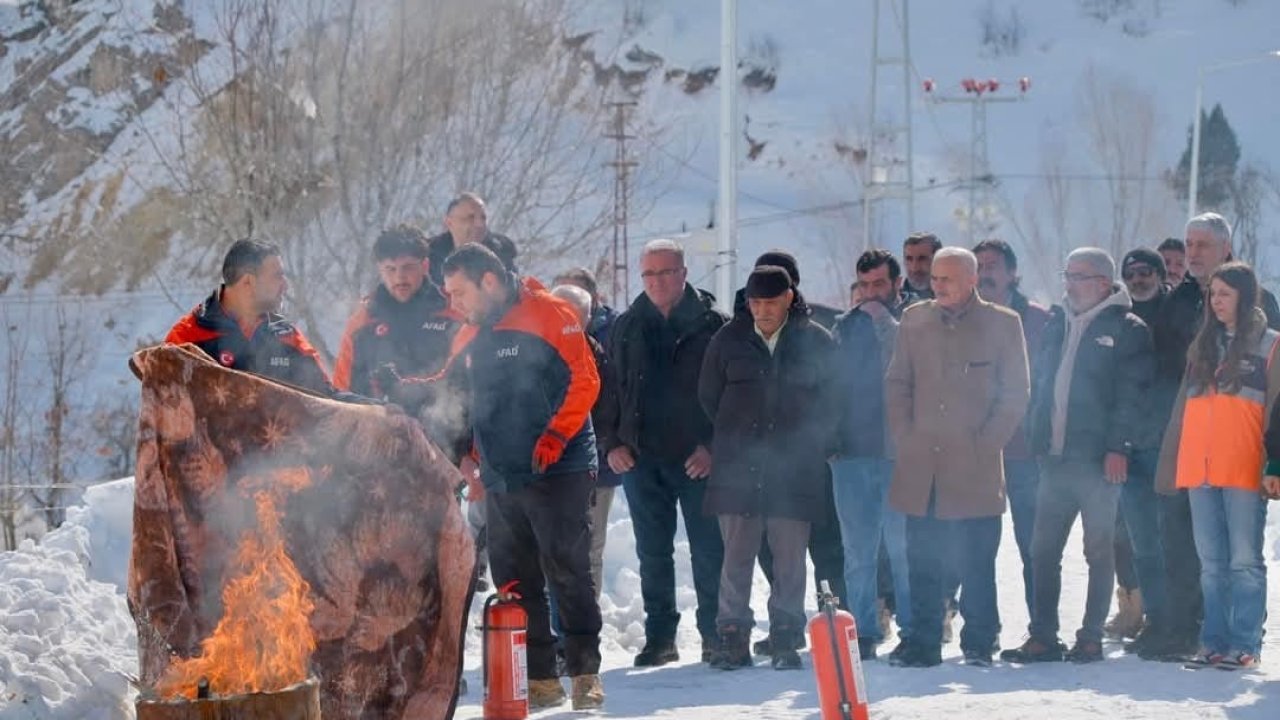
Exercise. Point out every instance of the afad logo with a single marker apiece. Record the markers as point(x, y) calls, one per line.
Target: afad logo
point(381, 330)
point(226, 358)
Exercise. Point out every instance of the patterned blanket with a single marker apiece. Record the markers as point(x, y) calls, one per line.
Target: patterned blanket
point(367, 515)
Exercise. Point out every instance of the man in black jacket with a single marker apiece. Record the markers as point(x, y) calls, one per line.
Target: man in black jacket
point(404, 328)
point(1087, 417)
point(826, 549)
point(863, 465)
point(766, 384)
point(660, 441)
point(467, 221)
point(1208, 245)
point(532, 384)
point(1145, 275)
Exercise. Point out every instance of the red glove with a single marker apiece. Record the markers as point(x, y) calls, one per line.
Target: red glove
point(547, 452)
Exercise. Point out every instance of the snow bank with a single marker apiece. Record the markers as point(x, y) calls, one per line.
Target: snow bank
point(67, 642)
point(107, 515)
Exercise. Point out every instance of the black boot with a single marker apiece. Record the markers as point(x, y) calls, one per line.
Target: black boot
point(735, 649)
point(783, 643)
point(657, 652)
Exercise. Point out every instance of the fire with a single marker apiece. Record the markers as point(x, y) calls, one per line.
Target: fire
point(264, 641)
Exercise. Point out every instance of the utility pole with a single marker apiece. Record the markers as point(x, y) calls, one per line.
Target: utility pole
point(888, 177)
point(622, 165)
point(727, 220)
point(978, 94)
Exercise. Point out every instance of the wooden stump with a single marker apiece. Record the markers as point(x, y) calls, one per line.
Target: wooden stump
point(296, 702)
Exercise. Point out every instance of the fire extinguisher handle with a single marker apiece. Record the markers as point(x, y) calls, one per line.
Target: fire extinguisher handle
point(507, 592)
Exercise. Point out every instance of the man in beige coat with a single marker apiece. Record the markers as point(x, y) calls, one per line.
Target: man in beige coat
point(955, 392)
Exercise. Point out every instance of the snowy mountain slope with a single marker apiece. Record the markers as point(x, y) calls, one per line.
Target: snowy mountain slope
point(823, 54)
point(818, 51)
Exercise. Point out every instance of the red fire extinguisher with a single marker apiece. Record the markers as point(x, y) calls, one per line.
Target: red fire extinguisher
point(506, 677)
point(833, 635)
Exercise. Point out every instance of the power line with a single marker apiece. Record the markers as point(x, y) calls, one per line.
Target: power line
point(708, 176)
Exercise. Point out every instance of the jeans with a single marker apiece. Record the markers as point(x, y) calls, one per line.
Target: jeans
point(1182, 566)
point(932, 545)
point(1228, 526)
point(653, 490)
point(1140, 506)
point(1122, 551)
point(861, 488)
point(1070, 488)
point(538, 535)
point(1022, 483)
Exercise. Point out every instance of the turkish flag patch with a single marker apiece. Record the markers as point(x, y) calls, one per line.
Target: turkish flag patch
point(226, 358)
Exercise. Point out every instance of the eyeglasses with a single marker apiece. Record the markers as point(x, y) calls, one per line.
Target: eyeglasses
point(1142, 272)
point(1078, 278)
point(648, 274)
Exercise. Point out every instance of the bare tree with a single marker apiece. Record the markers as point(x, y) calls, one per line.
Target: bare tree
point(1251, 190)
point(113, 426)
point(59, 447)
point(1119, 121)
point(15, 318)
point(334, 118)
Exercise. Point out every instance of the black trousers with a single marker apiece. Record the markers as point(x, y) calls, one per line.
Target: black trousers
point(539, 536)
point(1182, 566)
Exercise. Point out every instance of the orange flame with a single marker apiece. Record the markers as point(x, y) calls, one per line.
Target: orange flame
point(264, 641)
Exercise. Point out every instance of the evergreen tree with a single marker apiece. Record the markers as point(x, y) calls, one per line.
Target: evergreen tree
point(1219, 158)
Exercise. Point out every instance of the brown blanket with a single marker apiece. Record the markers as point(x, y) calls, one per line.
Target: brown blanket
point(367, 515)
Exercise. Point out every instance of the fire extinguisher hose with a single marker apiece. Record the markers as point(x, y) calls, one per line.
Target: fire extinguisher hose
point(829, 609)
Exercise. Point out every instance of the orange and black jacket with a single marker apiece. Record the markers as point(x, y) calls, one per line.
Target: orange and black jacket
point(530, 372)
point(414, 337)
point(274, 349)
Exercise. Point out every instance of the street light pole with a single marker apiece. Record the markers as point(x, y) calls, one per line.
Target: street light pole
point(1193, 180)
point(1193, 177)
point(727, 231)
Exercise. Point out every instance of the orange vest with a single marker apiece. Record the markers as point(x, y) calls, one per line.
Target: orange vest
point(1221, 443)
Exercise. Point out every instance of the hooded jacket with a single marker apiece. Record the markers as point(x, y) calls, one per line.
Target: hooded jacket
point(1097, 369)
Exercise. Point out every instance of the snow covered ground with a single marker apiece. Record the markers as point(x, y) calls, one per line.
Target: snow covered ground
point(1122, 687)
point(67, 648)
point(67, 644)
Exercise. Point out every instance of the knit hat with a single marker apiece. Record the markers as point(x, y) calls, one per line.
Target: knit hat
point(768, 281)
point(784, 260)
point(1145, 256)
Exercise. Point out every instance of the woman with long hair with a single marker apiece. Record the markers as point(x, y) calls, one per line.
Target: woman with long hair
point(1217, 436)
